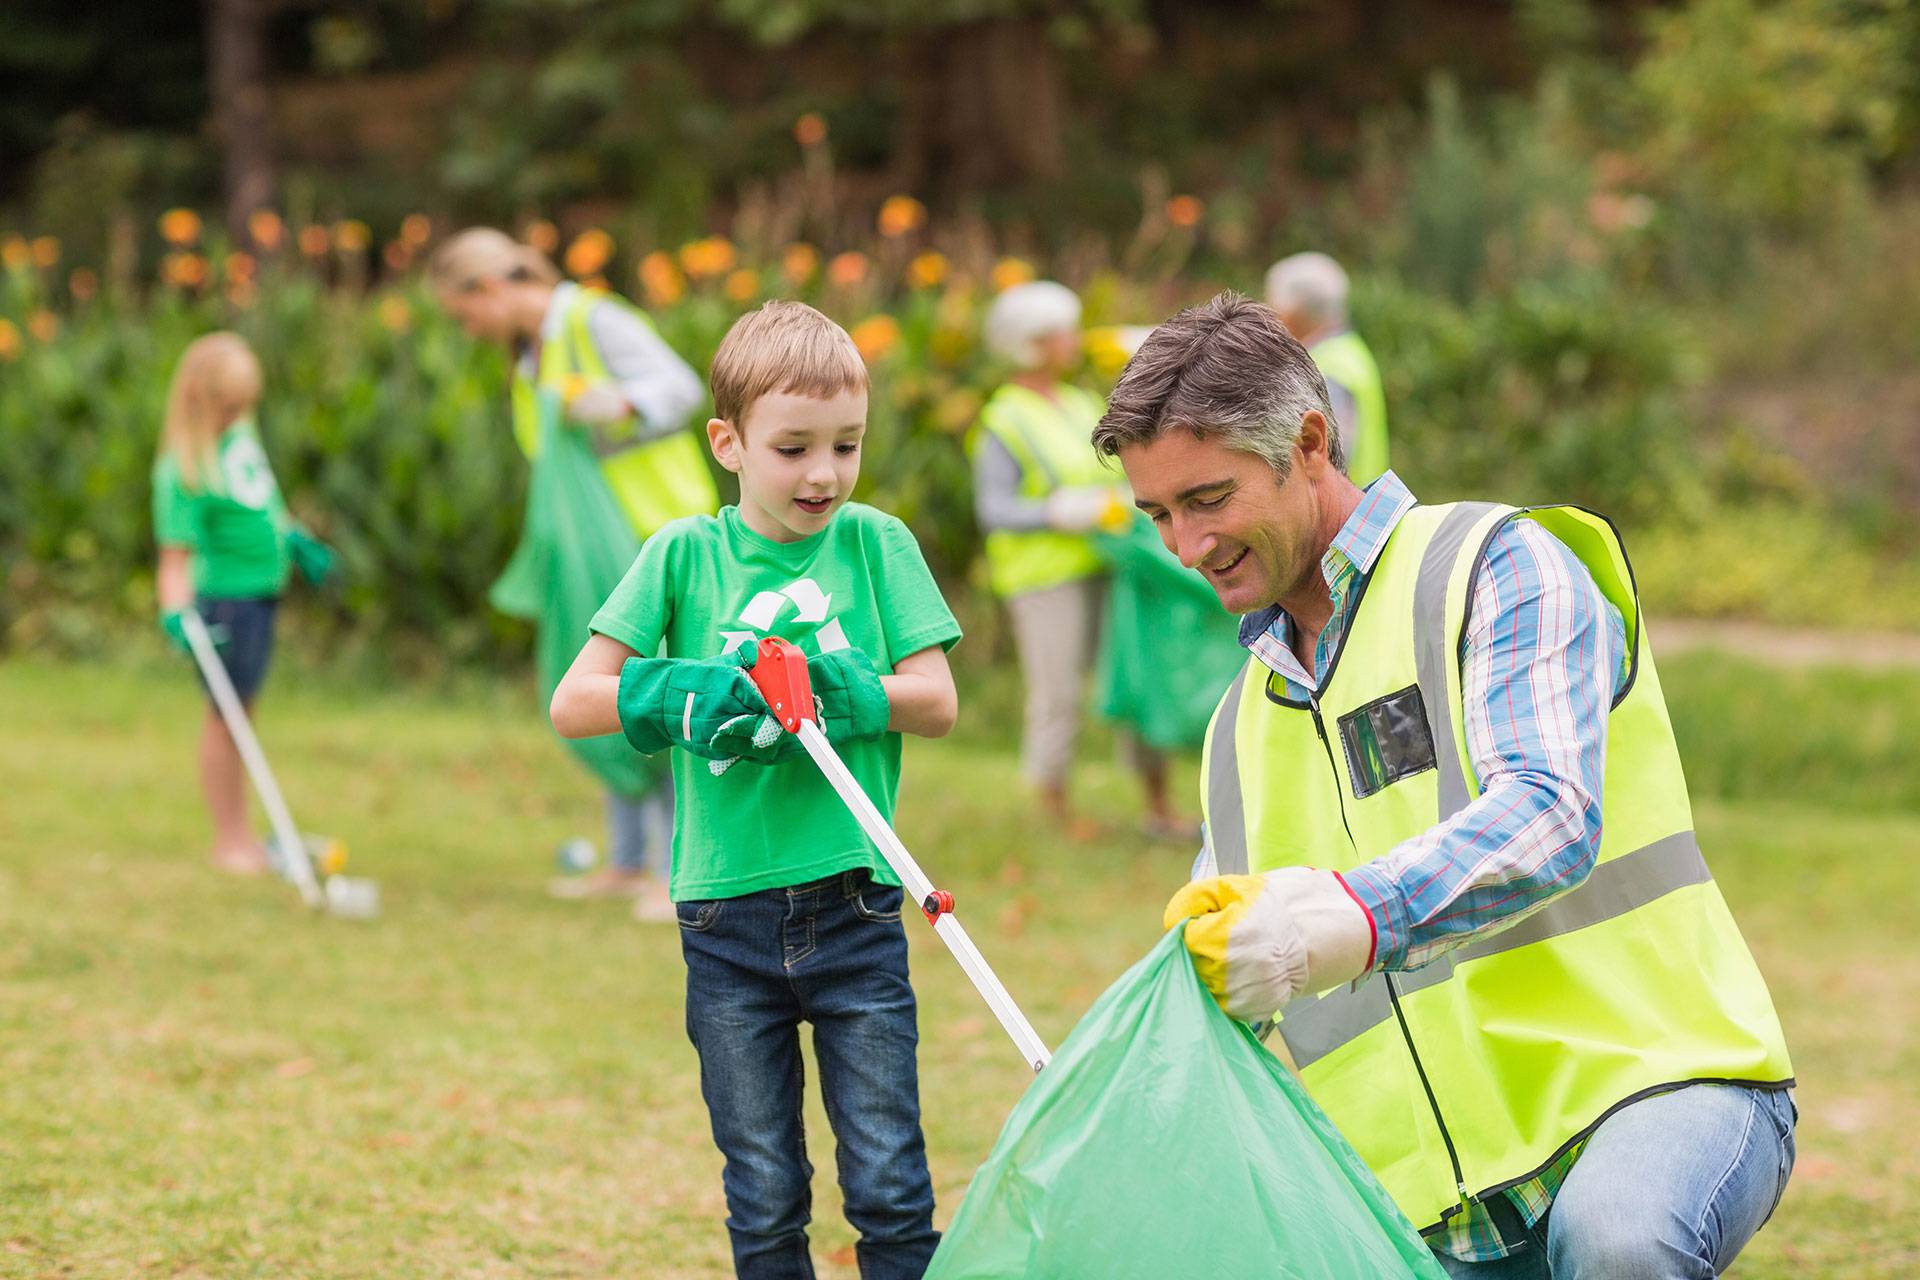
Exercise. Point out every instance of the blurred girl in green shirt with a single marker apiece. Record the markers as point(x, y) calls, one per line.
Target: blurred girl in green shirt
point(226, 544)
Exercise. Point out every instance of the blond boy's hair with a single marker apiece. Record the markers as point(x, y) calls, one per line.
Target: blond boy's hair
point(216, 383)
point(782, 346)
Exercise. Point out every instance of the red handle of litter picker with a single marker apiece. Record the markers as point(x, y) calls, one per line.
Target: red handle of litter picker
point(779, 671)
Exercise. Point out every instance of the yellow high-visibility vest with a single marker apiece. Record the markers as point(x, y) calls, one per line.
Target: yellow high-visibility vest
point(654, 481)
point(1053, 444)
point(1345, 359)
point(1476, 1071)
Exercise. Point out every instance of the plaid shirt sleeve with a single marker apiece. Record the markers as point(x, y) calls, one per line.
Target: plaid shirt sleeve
point(1540, 662)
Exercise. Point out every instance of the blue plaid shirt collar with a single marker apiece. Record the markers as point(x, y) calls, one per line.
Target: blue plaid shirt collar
point(1268, 632)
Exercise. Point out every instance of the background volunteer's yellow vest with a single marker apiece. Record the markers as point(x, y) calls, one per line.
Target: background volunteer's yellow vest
point(1346, 359)
point(1476, 1071)
point(1053, 443)
point(655, 481)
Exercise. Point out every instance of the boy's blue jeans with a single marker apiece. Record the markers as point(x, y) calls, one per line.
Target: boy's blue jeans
point(1670, 1188)
point(832, 953)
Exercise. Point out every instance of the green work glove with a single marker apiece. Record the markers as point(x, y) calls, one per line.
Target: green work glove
point(758, 738)
point(852, 702)
point(314, 559)
point(173, 624)
point(683, 702)
point(849, 701)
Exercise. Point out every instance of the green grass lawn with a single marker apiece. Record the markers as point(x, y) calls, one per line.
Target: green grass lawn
point(199, 1079)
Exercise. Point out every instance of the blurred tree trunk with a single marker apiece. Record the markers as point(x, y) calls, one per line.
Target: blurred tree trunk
point(984, 102)
point(237, 84)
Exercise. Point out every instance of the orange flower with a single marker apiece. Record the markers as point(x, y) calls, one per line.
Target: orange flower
point(314, 240)
point(395, 314)
point(875, 336)
point(46, 252)
point(9, 339)
point(591, 250)
point(1185, 211)
point(810, 130)
point(184, 270)
point(900, 215)
point(416, 229)
point(847, 269)
point(927, 270)
point(660, 279)
point(713, 256)
point(542, 235)
point(1009, 272)
point(742, 285)
point(352, 235)
point(180, 226)
point(43, 325)
point(15, 253)
point(83, 284)
point(397, 254)
point(266, 229)
point(240, 266)
point(798, 262)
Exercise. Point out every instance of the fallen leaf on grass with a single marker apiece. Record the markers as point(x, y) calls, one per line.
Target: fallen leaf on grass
point(294, 1068)
point(1814, 1168)
point(844, 1256)
point(383, 1140)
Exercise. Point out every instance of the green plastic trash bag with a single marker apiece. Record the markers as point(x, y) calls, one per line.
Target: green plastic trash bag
point(1163, 1141)
point(1167, 648)
point(574, 549)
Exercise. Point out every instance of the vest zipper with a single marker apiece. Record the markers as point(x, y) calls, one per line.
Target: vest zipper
point(1433, 1103)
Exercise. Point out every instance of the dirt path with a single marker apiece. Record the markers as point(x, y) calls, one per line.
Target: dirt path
point(1791, 646)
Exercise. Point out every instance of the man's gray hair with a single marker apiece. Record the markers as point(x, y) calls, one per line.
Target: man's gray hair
point(1313, 285)
point(1225, 370)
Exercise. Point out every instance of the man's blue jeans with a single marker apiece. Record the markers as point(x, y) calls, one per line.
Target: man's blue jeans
point(1670, 1188)
point(832, 953)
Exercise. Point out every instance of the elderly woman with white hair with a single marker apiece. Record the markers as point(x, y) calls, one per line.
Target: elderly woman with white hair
point(1309, 292)
point(1040, 494)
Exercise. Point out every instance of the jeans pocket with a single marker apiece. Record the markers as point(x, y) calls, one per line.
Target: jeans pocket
point(1786, 1116)
point(697, 916)
point(878, 902)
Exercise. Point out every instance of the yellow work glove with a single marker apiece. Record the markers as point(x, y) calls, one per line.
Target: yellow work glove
point(1259, 941)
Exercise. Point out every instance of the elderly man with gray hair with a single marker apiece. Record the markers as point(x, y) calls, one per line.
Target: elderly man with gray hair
point(1309, 293)
point(1448, 839)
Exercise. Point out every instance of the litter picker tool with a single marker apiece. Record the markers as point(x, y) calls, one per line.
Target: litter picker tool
point(780, 672)
point(339, 894)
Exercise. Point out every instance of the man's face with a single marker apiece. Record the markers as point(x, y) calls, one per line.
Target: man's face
point(797, 460)
point(481, 311)
point(1254, 537)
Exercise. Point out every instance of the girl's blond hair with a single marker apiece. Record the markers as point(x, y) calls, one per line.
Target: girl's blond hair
point(482, 253)
point(216, 383)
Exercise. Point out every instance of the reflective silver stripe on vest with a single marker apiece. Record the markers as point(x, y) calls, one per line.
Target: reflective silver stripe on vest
point(1226, 807)
point(1431, 650)
point(1313, 1029)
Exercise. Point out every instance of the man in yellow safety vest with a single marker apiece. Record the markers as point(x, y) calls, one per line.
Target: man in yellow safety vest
point(1449, 846)
point(1309, 291)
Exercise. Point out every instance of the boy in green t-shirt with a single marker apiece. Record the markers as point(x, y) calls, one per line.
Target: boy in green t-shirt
point(787, 912)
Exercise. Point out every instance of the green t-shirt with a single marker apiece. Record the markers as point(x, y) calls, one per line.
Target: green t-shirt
point(707, 584)
point(234, 522)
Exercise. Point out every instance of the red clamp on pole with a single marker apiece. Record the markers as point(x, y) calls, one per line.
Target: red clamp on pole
point(779, 671)
point(938, 903)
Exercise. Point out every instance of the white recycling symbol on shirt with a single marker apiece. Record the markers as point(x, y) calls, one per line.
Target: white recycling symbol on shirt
point(810, 604)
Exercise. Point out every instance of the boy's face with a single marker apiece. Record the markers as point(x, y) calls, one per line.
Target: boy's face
point(797, 458)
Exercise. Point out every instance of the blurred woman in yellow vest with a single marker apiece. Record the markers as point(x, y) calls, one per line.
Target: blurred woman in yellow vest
point(1041, 495)
point(622, 385)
